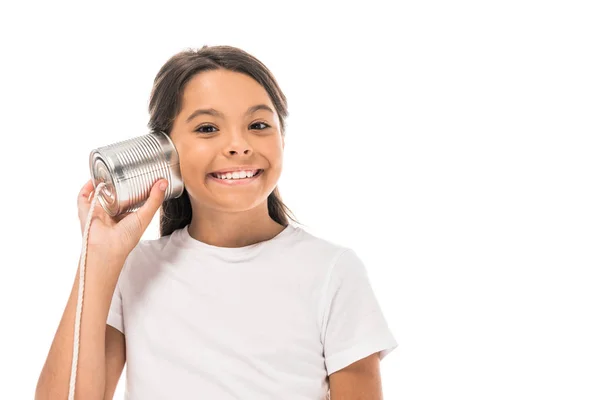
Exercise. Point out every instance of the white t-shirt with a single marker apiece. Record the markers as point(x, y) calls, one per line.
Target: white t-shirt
point(267, 321)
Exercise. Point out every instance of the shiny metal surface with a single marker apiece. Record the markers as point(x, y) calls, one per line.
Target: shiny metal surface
point(130, 168)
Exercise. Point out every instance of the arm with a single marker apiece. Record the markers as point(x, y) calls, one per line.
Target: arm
point(96, 353)
point(355, 332)
point(360, 380)
point(115, 360)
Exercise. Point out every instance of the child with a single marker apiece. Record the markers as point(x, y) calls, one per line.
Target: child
point(232, 301)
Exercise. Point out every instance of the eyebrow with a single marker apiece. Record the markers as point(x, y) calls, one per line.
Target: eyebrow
point(215, 113)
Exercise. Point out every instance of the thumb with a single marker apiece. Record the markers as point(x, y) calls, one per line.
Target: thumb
point(152, 204)
point(139, 220)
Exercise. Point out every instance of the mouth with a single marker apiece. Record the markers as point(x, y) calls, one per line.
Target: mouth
point(237, 175)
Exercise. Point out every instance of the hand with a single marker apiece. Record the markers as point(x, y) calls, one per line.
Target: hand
point(117, 236)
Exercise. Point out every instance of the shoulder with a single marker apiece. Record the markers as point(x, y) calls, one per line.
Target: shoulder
point(150, 248)
point(146, 257)
point(326, 250)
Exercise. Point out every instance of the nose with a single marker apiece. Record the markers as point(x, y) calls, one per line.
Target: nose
point(238, 145)
point(233, 152)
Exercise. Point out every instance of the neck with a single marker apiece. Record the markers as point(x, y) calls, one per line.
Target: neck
point(233, 229)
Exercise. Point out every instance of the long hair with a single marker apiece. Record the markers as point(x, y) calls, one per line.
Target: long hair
point(166, 103)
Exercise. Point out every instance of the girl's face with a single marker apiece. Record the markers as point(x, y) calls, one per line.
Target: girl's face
point(227, 123)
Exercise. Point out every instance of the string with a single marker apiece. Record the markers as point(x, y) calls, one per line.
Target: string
point(80, 292)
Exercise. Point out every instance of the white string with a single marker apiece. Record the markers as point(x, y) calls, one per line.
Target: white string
point(80, 292)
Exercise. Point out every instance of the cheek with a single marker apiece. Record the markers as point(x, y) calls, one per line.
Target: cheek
point(194, 163)
point(274, 152)
point(275, 165)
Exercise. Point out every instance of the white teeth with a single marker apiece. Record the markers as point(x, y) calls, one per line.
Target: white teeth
point(237, 175)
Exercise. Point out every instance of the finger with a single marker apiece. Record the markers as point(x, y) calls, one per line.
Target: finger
point(87, 188)
point(146, 212)
point(156, 198)
point(82, 204)
point(86, 191)
point(84, 201)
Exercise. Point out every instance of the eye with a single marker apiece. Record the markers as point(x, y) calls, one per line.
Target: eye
point(203, 129)
point(264, 125)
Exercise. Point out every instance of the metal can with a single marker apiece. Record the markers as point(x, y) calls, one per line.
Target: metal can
point(131, 167)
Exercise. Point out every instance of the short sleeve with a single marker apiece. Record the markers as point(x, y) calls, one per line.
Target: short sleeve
point(353, 326)
point(115, 312)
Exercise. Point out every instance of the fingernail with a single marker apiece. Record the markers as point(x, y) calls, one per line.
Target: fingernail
point(162, 186)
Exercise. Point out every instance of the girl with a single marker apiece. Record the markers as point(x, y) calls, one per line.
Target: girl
point(232, 301)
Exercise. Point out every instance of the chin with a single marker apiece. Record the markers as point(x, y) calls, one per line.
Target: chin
point(239, 203)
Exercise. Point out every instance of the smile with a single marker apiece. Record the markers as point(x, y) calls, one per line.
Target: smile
point(236, 178)
point(237, 175)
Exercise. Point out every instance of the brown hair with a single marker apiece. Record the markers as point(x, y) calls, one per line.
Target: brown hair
point(166, 103)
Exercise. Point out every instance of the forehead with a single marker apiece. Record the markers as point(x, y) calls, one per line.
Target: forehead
point(226, 91)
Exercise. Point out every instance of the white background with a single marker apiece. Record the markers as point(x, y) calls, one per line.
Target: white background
point(454, 145)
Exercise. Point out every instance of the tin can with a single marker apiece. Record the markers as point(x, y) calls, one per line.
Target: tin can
point(131, 167)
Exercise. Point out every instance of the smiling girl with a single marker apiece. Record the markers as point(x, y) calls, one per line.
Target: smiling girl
point(232, 301)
